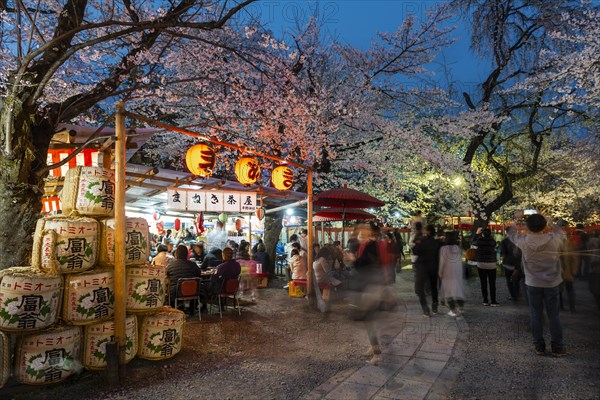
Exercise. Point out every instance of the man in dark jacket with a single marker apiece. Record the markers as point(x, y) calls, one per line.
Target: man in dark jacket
point(228, 269)
point(179, 268)
point(485, 256)
point(426, 269)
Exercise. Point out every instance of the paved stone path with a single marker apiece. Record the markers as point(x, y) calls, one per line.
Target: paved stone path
point(413, 363)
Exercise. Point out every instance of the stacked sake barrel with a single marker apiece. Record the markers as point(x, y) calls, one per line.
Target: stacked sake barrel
point(71, 279)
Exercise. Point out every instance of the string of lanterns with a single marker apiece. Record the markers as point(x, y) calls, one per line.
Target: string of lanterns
point(201, 160)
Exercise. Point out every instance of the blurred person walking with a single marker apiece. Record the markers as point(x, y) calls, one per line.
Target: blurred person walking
point(570, 260)
point(511, 262)
point(594, 267)
point(451, 274)
point(369, 282)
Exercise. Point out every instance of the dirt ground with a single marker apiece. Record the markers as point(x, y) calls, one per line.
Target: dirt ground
point(276, 344)
point(281, 348)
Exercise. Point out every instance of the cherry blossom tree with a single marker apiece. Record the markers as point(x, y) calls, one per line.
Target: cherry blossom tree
point(508, 123)
point(538, 96)
point(60, 60)
point(536, 106)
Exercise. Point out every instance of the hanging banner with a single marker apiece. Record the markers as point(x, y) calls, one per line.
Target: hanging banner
point(248, 202)
point(177, 199)
point(214, 201)
point(196, 201)
point(231, 202)
point(211, 200)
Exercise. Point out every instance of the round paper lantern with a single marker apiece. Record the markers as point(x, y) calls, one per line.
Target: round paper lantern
point(238, 224)
point(282, 177)
point(156, 216)
point(177, 224)
point(247, 171)
point(200, 160)
point(260, 213)
point(223, 217)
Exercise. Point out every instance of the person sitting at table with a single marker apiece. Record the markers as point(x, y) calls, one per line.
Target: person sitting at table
point(170, 247)
point(244, 250)
point(255, 247)
point(261, 257)
point(197, 253)
point(212, 259)
point(233, 245)
point(297, 265)
point(162, 258)
point(180, 268)
point(228, 269)
point(324, 266)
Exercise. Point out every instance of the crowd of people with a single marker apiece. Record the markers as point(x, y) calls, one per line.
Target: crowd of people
point(543, 259)
point(536, 260)
point(226, 259)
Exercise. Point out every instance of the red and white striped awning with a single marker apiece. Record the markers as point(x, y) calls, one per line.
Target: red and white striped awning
point(86, 158)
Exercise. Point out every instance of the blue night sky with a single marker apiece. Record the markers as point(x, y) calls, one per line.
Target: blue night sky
point(356, 22)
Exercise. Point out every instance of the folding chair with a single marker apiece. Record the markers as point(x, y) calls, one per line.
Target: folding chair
point(189, 289)
point(229, 289)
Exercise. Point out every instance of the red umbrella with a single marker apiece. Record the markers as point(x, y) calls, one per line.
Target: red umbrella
point(346, 198)
point(340, 214)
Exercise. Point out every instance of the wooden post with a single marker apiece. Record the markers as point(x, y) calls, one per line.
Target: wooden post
point(120, 232)
point(106, 159)
point(249, 231)
point(309, 241)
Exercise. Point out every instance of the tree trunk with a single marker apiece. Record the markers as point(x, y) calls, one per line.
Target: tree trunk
point(273, 225)
point(21, 183)
point(20, 209)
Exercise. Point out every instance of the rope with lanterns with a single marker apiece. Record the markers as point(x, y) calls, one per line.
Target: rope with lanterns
point(201, 160)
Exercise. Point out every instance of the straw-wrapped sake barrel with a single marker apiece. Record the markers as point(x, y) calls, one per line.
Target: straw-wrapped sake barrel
point(4, 359)
point(145, 288)
point(48, 357)
point(89, 297)
point(137, 242)
point(96, 336)
point(89, 191)
point(161, 334)
point(65, 245)
point(29, 299)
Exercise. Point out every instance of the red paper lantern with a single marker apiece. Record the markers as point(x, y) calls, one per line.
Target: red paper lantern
point(156, 216)
point(200, 160)
point(260, 213)
point(247, 171)
point(177, 224)
point(238, 224)
point(160, 227)
point(282, 177)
